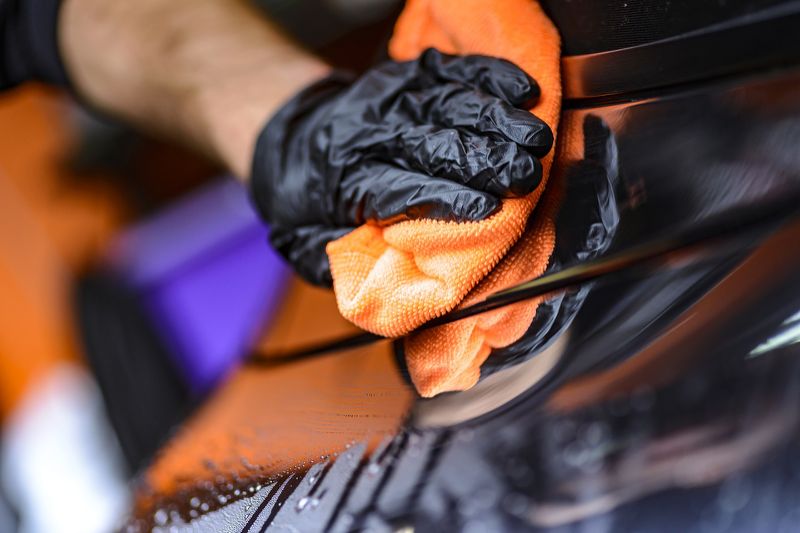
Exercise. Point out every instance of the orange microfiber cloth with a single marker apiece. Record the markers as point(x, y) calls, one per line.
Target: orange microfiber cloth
point(390, 280)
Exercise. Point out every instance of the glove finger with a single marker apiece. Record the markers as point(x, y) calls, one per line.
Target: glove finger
point(304, 248)
point(498, 77)
point(384, 193)
point(453, 106)
point(485, 163)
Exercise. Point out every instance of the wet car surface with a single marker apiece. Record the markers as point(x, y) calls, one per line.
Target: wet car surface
point(664, 400)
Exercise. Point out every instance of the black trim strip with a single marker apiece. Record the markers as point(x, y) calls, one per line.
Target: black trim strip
point(736, 225)
point(764, 39)
point(268, 498)
point(292, 482)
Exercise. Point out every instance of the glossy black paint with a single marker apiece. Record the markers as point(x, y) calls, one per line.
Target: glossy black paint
point(671, 403)
point(759, 40)
point(732, 379)
point(593, 26)
point(686, 416)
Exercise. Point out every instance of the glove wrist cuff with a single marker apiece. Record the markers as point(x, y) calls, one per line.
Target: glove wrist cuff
point(274, 141)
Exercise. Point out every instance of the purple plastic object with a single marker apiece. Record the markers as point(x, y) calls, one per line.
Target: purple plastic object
point(207, 277)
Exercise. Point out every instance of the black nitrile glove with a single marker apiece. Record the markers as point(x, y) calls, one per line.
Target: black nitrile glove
point(442, 137)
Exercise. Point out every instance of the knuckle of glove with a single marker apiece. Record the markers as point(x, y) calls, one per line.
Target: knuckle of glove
point(439, 137)
point(496, 76)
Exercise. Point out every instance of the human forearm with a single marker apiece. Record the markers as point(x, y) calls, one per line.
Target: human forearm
point(206, 72)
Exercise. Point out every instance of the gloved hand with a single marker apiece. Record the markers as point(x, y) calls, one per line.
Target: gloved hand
point(441, 137)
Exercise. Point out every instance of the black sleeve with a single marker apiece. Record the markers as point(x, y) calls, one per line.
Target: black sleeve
point(29, 43)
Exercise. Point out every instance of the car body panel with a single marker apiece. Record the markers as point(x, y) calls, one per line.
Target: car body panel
point(666, 402)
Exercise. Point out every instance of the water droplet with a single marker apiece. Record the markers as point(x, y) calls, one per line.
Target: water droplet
point(346, 520)
point(195, 502)
point(204, 507)
point(312, 479)
point(193, 513)
point(373, 469)
point(302, 503)
point(416, 445)
point(575, 454)
point(237, 492)
point(161, 517)
point(222, 499)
